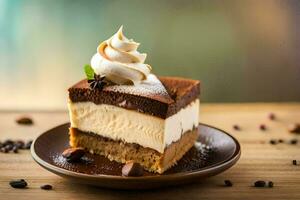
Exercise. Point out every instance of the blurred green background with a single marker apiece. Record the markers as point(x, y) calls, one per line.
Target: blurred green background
point(242, 51)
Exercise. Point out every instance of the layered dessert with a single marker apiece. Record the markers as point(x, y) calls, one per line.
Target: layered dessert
point(126, 113)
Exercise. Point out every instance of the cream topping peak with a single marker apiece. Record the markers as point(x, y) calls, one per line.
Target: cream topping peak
point(119, 61)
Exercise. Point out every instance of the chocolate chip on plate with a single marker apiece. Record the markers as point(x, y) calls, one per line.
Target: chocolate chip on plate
point(228, 183)
point(46, 187)
point(132, 169)
point(24, 120)
point(259, 184)
point(294, 128)
point(73, 154)
point(21, 183)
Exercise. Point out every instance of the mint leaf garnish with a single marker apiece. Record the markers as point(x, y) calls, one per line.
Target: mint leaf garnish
point(89, 72)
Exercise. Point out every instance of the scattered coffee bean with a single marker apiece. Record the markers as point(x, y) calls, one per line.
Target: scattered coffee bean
point(273, 141)
point(293, 141)
point(228, 183)
point(15, 149)
point(28, 144)
point(272, 116)
point(24, 120)
point(8, 142)
point(263, 184)
point(46, 187)
point(132, 169)
point(270, 184)
point(262, 127)
point(260, 184)
point(236, 127)
point(4, 150)
point(9, 147)
point(294, 128)
point(20, 144)
point(280, 141)
point(73, 154)
point(294, 162)
point(18, 183)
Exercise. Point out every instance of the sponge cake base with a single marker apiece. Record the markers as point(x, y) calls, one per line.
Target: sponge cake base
point(120, 151)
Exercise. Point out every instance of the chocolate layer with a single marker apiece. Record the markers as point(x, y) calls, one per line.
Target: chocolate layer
point(159, 98)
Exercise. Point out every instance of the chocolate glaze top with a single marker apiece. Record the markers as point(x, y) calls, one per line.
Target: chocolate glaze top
point(161, 97)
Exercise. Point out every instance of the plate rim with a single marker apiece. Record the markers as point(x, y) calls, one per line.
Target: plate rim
point(229, 162)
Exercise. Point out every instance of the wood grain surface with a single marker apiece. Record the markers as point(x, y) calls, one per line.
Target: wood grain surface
point(259, 161)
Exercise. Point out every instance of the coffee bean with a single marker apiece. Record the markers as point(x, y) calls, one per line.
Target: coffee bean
point(28, 144)
point(228, 183)
point(8, 142)
point(294, 128)
point(293, 141)
point(272, 116)
point(73, 154)
point(9, 147)
point(20, 144)
point(46, 187)
point(273, 141)
point(24, 120)
point(294, 162)
point(263, 127)
point(236, 127)
point(270, 184)
point(132, 169)
point(18, 183)
point(4, 150)
point(260, 184)
point(15, 149)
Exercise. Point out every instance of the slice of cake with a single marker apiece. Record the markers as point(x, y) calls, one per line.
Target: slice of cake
point(125, 113)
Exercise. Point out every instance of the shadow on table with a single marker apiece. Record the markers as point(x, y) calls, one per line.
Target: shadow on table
point(187, 191)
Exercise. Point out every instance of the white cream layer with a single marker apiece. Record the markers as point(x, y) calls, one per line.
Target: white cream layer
point(131, 126)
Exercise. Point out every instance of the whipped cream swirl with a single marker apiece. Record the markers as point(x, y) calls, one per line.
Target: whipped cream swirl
point(119, 61)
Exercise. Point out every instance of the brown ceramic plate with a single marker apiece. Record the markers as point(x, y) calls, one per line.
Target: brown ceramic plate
point(214, 152)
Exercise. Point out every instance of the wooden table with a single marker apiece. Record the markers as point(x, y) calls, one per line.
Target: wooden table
point(259, 160)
